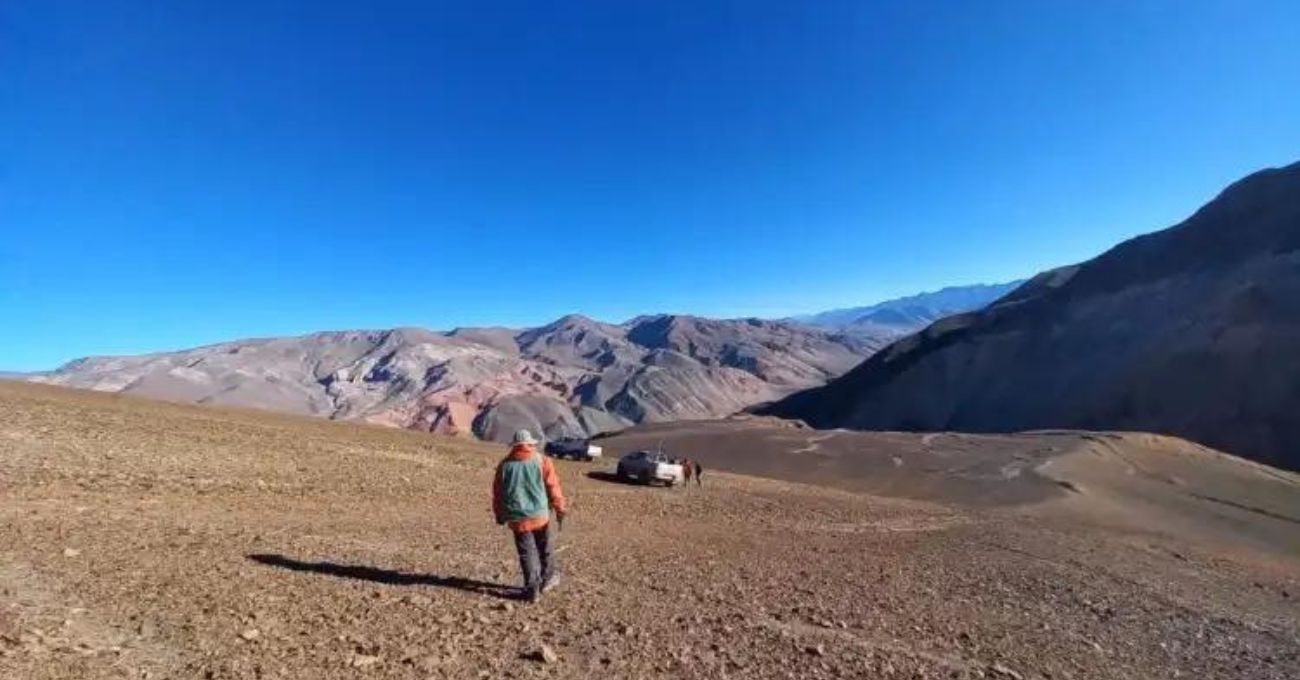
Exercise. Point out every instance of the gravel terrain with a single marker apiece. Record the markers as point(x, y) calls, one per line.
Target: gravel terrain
point(143, 539)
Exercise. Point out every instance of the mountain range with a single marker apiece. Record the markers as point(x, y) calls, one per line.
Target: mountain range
point(908, 314)
point(1192, 331)
point(575, 376)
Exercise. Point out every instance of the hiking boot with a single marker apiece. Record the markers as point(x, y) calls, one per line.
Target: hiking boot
point(551, 582)
point(530, 595)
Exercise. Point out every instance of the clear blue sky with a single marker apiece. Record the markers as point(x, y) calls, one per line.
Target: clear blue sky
point(176, 173)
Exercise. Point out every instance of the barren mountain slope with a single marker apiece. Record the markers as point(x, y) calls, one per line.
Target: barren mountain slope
point(1192, 331)
point(570, 377)
point(151, 537)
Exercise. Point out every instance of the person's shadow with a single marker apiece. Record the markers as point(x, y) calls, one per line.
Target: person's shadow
point(388, 576)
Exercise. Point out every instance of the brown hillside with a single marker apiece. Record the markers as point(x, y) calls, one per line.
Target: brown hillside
point(147, 539)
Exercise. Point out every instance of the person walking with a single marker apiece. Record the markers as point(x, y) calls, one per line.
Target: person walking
point(699, 472)
point(525, 490)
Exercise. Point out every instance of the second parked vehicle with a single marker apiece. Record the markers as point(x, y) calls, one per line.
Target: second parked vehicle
point(575, 448)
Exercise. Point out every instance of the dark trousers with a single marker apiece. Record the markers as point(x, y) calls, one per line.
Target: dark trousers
point(536, 557)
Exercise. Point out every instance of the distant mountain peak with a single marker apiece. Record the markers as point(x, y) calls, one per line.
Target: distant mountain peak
point(911, 313)
point(573, 320)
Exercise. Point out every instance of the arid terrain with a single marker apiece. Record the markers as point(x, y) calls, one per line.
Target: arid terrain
point(149, 539)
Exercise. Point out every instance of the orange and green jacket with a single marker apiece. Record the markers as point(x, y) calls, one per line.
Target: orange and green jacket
point(551, 481)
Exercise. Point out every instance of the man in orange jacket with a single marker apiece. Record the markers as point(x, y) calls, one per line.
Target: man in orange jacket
point(524, 491)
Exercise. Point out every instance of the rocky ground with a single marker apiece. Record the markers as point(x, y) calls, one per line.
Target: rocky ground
point(143, 539)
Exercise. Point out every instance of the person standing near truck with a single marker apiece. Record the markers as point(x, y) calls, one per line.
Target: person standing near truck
point(525, 490)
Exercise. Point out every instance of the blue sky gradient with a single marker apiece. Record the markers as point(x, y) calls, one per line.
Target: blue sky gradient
point(173, 174)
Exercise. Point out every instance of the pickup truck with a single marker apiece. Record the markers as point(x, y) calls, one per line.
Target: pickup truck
point(650, 467)
point(573, 447)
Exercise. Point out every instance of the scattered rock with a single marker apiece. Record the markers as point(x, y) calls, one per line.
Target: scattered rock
point(544, 654)
point(250, 634)
point(364, 660)
point(71, 552)
point(816, 650)
point(1002, 671)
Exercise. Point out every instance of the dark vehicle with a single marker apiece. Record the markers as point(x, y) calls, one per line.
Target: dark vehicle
point(573, 448)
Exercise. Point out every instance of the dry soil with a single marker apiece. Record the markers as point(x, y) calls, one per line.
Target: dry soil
point(145, 539)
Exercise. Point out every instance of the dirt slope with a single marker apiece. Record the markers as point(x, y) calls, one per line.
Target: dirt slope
point(146, 539)
point(1192, 331)
point(1132, 480)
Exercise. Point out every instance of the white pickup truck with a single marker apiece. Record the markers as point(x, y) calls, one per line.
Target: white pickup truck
point(650, 467)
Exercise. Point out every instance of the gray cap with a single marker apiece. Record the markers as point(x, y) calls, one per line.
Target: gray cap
point(523, 437)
